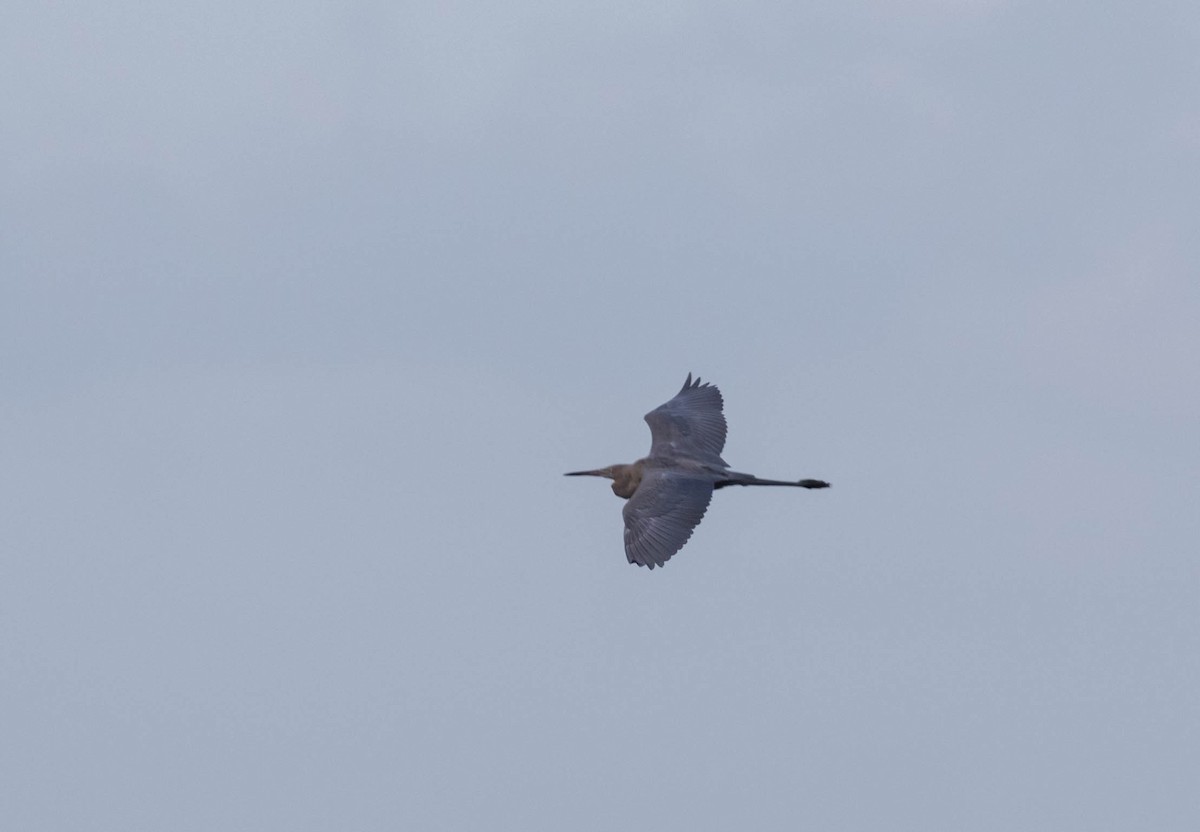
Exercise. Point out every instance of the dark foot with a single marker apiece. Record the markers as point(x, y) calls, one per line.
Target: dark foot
point(813, 484)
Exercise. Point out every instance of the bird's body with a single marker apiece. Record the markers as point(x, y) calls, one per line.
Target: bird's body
point(669, 490)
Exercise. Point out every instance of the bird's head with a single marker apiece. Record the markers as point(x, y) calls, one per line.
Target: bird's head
point(625, 477)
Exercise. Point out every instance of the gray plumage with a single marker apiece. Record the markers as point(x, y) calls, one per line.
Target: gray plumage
point(669, 490)
point(690, 425)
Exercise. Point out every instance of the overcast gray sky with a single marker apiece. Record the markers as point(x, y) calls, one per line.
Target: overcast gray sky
point(306, 307)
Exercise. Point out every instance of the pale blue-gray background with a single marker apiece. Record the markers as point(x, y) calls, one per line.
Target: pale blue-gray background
point(305, 308)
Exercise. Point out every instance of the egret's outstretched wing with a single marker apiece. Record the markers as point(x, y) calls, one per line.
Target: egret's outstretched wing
point(691, 424)
point(661, 514)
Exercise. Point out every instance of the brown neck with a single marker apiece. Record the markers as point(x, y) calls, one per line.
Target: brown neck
point(626, 479)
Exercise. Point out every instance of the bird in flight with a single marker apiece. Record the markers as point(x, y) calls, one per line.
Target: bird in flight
point(669, 490)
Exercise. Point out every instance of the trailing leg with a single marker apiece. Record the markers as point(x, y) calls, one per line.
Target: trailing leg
point(735, 478)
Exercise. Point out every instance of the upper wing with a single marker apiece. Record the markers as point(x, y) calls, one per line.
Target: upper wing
point(690, 424)
point(661, 514)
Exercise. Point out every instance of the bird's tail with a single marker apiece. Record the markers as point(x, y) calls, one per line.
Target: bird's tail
point(735, 478)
